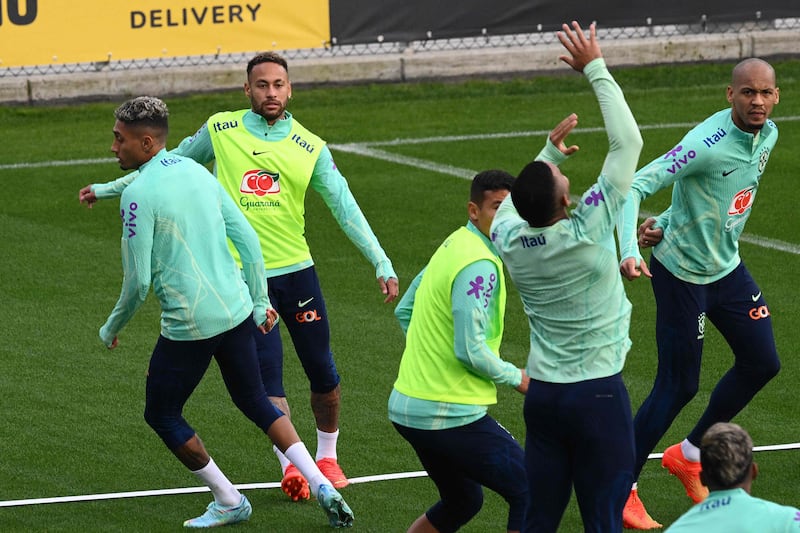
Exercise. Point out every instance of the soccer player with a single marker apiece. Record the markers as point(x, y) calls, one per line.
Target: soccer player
point(266, 160)
point(698, 275)
point(176, 220)
point(564, 264)
point(726, 454)
point(452, 315)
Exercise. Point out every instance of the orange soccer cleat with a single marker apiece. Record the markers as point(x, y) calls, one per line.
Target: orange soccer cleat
point(635, 516)
point(685, 470)
point(331, 470)
point(294, 485)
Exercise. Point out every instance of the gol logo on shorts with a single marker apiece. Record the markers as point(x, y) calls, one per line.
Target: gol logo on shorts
point(757, 313)
point(307, 316)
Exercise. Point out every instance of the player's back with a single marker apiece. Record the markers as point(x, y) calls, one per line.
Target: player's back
point(193, 273)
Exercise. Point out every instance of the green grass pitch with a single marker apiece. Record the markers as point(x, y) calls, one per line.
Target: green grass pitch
point(72, 420)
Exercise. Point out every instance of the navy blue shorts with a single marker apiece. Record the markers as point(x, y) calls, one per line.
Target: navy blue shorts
point(578, 434)
point(297, 297)
point(462, 460)
point(736, 307)
point(176, 368)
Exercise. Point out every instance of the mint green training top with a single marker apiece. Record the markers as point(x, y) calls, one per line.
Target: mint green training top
point(325, 179)
point(715, 171)
point(175, 220)
point(567, 274)
point(736, 511)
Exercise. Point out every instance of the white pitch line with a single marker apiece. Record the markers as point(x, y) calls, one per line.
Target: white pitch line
point(67, 163)
point(532, 133)
point(275, 484)
point(189, 490)
point(352, 147)
point(765, 448)
point(368, 149)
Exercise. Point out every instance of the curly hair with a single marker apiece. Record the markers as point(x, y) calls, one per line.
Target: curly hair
point(144, 111)
point(267, 57)
point(726, 455)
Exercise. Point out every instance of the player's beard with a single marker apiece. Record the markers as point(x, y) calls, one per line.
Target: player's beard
point(271, 113)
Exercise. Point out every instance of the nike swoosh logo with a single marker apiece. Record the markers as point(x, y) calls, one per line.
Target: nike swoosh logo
point(725, 173)
point(301, 303)
point(755, 297)
point(267, 151)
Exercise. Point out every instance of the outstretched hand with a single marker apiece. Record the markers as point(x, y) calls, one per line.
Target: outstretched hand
point(581, 50)
point(560, 133)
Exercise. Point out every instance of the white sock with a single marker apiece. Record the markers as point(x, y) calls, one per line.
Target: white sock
point(690, 451)
point(282, 459)
point(299, 456)
point(326, 444)
point(223, 490)
point(634, 486)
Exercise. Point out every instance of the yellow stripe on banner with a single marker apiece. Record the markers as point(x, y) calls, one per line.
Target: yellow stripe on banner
point(35, 32)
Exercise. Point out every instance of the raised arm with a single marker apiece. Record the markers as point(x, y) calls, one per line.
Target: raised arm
point(624, 139)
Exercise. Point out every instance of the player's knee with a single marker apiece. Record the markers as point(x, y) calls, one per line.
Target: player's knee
point(326, 383)
point(154, 419)
point(772, 368)
point(259, 410)
point(160, 420)
point(159, 423)
point(763, 372)
point(173, 430)
point(452, 515)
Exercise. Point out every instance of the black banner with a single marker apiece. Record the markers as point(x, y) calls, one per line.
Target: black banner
point(368, 21)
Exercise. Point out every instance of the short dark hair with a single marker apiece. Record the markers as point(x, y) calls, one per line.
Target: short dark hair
point(533, 194)
point(489, 180)
point(726, 455)
point(144, 111)
point(267, 57)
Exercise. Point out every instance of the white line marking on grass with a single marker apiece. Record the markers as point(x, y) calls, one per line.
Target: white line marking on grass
point(533, 133)
point(368, 149)
point(765, 448)
point(771, 244)
point(354, 147)
point(275, 484)
point(68, 163)
point(189, 490)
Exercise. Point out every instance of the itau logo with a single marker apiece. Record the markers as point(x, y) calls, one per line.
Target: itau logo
point(260, 182)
